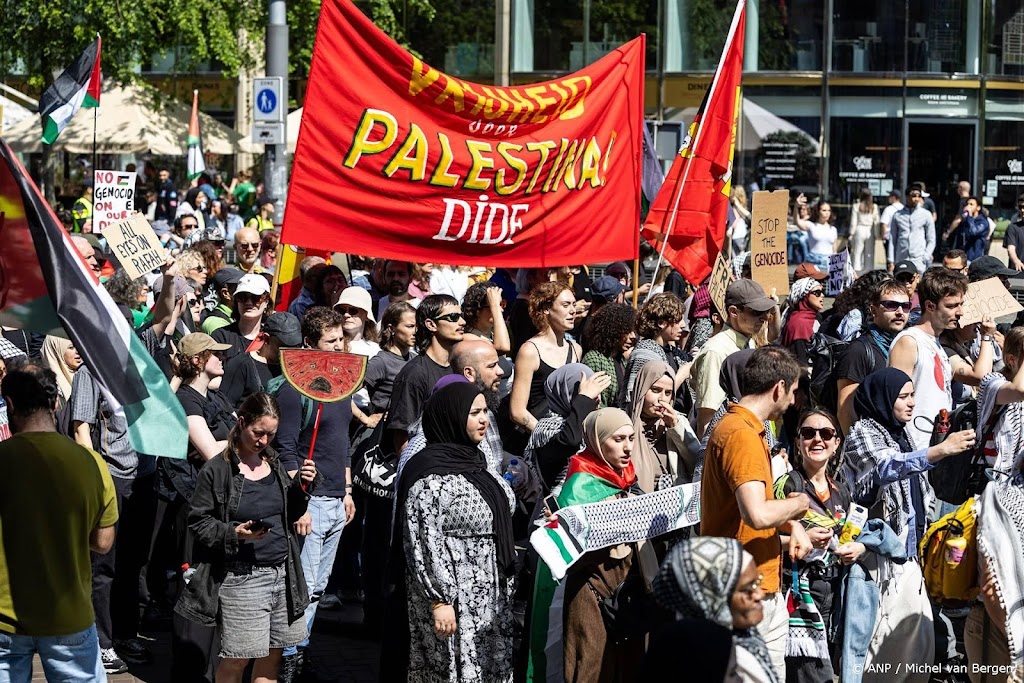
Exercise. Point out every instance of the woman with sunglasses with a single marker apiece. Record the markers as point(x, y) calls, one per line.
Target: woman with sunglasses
point(251, 302)
point(713, 586)
point(360, 328)
point(192, 265)
point(800, 321)
point(815, 462)
point(884, 471)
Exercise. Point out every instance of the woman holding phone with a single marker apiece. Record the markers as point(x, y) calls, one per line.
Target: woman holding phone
point(248, 577)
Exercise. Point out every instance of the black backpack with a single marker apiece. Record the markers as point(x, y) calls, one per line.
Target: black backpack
point(958, 477)
point(824, 353)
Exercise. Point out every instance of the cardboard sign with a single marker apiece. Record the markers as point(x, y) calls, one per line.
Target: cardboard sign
point(837, 272)
point(721, 278)
point(135, 246)
point(769, 264)
point(988, 297)
point(113, 198)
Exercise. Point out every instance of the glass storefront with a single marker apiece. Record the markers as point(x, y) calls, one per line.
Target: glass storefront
point(1002, 166)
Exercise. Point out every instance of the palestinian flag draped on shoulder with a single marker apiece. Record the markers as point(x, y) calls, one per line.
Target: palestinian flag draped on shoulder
point(77, 87)
point(46, 286)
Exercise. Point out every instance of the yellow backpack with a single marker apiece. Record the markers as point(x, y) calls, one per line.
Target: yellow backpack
point(952, 583)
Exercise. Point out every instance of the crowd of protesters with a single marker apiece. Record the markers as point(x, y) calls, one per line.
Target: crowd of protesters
point(809, 431)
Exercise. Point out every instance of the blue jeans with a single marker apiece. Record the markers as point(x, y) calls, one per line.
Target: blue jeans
point(74, 657)
point(318, 552)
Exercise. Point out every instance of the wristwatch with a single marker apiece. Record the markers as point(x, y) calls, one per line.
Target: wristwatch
point(986, 337)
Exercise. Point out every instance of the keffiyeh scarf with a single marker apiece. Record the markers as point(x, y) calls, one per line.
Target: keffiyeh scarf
point(866, 445)
point(1001, 543)
point(806, 626)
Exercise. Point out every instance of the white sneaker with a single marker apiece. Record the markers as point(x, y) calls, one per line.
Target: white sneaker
point(112, 664)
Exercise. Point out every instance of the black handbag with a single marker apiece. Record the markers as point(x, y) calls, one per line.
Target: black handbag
point(630, 612)
point(374, 465)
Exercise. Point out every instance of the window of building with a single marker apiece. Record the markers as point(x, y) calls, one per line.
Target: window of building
point(865, 153)
point(789, 35)
point(1002, 167)
point(1005, 50)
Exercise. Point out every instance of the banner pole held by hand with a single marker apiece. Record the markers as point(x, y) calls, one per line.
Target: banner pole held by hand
point(316, 428)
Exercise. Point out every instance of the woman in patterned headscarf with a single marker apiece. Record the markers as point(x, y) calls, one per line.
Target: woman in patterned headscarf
point(800, 321)
point(715, 580)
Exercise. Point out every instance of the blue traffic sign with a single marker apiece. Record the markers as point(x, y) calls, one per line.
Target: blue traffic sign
point(266, 100)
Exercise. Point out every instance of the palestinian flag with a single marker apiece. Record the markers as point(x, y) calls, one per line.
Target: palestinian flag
point(77, 87)
point(46, 287)
point(196, 160)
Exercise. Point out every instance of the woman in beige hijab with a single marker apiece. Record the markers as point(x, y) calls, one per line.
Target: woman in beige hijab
point(62, 358)
point(666, 447)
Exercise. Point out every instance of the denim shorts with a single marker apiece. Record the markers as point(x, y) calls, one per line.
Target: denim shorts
point(254, 612)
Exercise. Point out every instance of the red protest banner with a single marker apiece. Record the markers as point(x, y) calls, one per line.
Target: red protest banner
point(397, 159)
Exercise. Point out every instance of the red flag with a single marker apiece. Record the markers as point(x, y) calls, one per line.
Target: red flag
point(92, 93)
point(396, 159)
point(690, 210)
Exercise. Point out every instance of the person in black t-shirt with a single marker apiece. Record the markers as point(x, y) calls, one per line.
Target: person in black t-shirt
point(247, 373)
point(890, 311)
point(1014, 239)
point(439, 327)
point(251, 299)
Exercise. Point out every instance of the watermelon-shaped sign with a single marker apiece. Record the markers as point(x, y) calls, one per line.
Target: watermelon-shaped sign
point(323, 375)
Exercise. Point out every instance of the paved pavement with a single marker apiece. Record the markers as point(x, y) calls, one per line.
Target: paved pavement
point(338, 649)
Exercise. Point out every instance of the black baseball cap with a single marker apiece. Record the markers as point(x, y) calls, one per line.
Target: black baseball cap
point(285, 327)
point(227, 276)
point(984, 267)
point(905, 267)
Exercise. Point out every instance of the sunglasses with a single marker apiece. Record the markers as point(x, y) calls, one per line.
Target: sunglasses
point(349, 311)
point(449, 317)
point(816, 292)
point(892, 306)
point(753, 587)
point(218, 243)
point(247, 245)
point(189, 226)
point(199, 269)
point(826, 433)
point(247, 297)
point(194, 302)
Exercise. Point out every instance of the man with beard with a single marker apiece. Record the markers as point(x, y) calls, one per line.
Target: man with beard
point(477, 361)
point(397, 275)
point(890, 311)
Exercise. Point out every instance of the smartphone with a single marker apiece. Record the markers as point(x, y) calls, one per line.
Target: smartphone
point(261, 525)
point(551, 503)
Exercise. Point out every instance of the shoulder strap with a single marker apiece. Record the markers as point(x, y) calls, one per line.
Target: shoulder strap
point(571, 353)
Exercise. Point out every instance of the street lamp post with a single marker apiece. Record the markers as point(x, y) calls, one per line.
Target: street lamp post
point(275, 168)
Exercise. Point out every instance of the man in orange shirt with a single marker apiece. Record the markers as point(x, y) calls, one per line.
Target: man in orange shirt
point(736, 489)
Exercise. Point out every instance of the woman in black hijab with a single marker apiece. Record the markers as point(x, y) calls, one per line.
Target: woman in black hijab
point(886, 475)
point(455, 526)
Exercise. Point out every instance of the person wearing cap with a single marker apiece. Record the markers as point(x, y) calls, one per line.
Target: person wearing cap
point(225, 283)
point(911, 233)
point(264, 218)
point(81, 211)
point(918, 352)
point(247, 373)
point(251, 299)
point(748, 308)
point(607, 289)
point(200, 362)
point(1014, 239)
point(624, 274)
point(810, 270)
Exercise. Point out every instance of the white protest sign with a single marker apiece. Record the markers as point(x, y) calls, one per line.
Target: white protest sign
point(135, 246)
point(113, 198)
point(987, 297)
point(837, 272)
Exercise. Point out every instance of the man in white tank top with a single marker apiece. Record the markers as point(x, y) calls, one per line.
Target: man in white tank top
point(918, 353)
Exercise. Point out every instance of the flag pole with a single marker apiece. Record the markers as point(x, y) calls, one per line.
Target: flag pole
point(95, 120)
point(740, 7)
